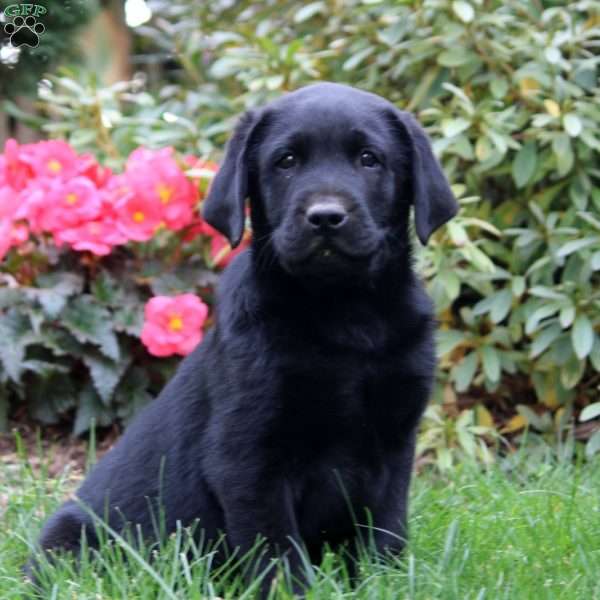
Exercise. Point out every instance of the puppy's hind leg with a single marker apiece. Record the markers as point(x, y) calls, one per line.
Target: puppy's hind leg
point(62, 532)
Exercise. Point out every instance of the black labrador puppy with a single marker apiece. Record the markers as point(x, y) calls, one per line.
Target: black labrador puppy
point(295, 419)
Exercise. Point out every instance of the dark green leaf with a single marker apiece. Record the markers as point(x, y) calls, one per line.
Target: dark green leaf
point(105, 374)
point(90, 409)
point(524, 164)
point(491, 363)
point(90, 322)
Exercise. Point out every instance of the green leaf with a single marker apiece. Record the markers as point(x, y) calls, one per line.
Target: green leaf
point(478, 258)
point(540, 422)
point(575, 245)
point(452, 127)
point(499, 87)
point(61, 282)
point(106, 288)
point(524, 164)
point(50, 398)
point(498, 305)
point(130, 319)
point(518, 285)
point(463, 10)
point(572, 372)
point(226, 66)
point(52, 302)
point(308, 11)
point(15, 335)
point(552, 55)
point(132, 393)
point(572, 124)
point(582, 336)
point(539, 314)
point(448, 340)
point(457, 233)
point(501, 306)
point(90, 322)
point(544, 339)
point(90, 409)
point(357, 58)
point(544, 292)
point(567, 316)
point(491, 363)
point(563, 152)
point(464, 371)
point(595, 354)
point(592, 446)
point(455, 57)
point(105, 374)
point(591, 411)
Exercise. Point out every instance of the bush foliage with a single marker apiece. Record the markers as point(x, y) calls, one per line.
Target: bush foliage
point(509, 93)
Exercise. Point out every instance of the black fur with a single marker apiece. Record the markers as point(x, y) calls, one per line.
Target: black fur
point(300, 407)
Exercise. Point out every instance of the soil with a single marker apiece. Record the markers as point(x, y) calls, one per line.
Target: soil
point(52, 447)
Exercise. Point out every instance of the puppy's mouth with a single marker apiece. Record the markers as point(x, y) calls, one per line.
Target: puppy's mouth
point(328, 257)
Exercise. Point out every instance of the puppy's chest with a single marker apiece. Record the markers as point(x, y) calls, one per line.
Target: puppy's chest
point(342, 404)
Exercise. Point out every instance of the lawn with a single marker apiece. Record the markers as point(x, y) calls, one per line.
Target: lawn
point(526, 528)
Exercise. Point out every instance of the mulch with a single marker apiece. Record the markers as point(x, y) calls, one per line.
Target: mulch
point(53, 447)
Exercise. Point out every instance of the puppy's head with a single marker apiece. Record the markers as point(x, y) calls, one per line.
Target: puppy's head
point(330, 172)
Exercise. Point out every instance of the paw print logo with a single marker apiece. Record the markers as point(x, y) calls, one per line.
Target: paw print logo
point(24, 32)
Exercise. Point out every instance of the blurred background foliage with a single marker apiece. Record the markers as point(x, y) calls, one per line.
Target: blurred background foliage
point(22, 68)
point(509, 93)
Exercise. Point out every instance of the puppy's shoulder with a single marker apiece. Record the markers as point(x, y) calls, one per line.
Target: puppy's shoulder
point(237, 295)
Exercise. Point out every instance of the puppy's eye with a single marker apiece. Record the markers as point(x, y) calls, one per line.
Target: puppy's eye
point(368, 159)
point(287, 161)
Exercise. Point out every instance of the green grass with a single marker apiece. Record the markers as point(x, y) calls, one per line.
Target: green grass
point(528, 529)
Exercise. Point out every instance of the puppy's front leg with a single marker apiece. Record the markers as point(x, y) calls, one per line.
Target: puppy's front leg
point(261, 507)
point(390, 516)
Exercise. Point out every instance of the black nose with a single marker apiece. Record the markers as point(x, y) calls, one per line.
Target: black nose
point(326, 216)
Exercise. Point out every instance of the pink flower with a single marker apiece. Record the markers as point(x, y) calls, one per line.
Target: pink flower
point(70, 203)
point(173, 325)
point(14, 172)
point(155, 177)
point(6, 241)
point(98, 236)
point(32, 206)
point(53, 158)
point(95, 172)
point(11, 233)
point(9, 202)
point(138, 218)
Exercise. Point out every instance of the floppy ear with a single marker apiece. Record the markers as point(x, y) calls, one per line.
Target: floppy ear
point(433, 200)
point(224, 207)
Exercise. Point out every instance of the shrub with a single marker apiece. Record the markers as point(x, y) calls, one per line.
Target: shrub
point(89, 250)
point(509, 92)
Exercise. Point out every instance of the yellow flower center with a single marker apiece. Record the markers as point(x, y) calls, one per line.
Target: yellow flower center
point(164, 193)
point(54, 166)
point(175, 323)
point(71, 198)
point(138, 216)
